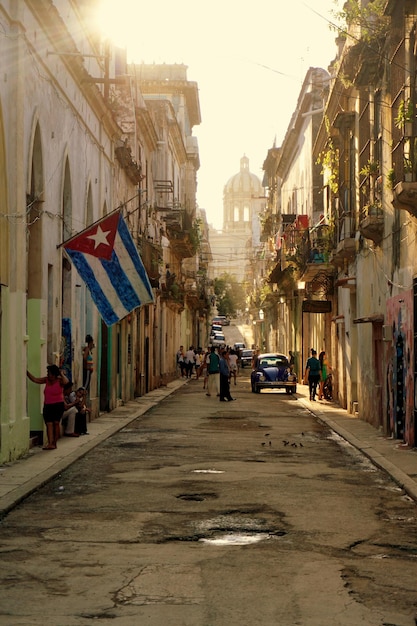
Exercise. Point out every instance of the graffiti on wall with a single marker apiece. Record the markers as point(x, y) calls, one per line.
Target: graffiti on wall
point(400, 367)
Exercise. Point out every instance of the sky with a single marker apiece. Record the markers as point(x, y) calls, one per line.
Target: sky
point(249, 60)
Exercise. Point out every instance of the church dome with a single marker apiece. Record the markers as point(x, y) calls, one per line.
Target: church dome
point(244, 181)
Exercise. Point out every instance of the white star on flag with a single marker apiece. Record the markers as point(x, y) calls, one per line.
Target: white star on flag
point(100, 237)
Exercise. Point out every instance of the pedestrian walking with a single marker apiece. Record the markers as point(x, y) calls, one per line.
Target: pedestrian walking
point(181, 361)
point(213, 370)
point(324, 370)
point(233, 361)
point(189, 361)
point(312, 374)
point(224, 378)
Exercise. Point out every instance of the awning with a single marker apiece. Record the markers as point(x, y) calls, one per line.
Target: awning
point(317, 306)
point(378, 318)
point(279, 276)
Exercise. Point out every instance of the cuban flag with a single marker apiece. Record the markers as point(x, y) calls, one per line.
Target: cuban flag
point(107, 260)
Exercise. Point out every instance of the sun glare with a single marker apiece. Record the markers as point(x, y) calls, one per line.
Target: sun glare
point(111, 20)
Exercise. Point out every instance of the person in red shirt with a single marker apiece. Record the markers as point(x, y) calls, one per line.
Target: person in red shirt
point(53, 406)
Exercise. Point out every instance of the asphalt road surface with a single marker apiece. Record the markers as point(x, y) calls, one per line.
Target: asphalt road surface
point(202, 513)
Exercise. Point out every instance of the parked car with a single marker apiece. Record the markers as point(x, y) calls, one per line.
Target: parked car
point(246, 357)
point(218, 339)
point(216, 328)
point(272, 371)
point(221, 319)
point(239, 346)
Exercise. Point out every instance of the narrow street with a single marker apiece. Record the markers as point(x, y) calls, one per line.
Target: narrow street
point(206, 514)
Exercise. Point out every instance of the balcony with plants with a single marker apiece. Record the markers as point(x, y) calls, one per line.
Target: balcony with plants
point(151, 254)
point(294, 245)
point(183, 233)
point(306, 251)
point(371, 218)
point(196, 290)
point(365, 27)
point(125, 158)
point(172, 292)
point(403, 177)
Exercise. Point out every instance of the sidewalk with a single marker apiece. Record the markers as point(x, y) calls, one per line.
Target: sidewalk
point(397, 459)
point(21, 478)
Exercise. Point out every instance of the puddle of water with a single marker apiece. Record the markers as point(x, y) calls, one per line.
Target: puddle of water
point(236, 539)
point(207, 471)
point(380, 556)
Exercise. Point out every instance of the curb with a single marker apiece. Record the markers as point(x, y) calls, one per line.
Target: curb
point(397, 475)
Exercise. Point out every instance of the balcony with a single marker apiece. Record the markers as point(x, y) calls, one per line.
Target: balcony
point(284, 278)
point(345, 251)
point(371, 225)
point(315, 267)
point(181, 244)
point(182, 233)
point(295, 244)
point(361, 63)
point(173, 295)
point(405, 197)
point(133, 170)
point(151, 255)
point(318, 253)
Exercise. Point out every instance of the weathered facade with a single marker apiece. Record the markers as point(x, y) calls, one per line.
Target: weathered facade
point(83, 134)
point(295, 227)
point(362, 274)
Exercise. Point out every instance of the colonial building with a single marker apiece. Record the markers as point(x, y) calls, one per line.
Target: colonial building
point(295, 226)
point(350, 243)
point(82, 135)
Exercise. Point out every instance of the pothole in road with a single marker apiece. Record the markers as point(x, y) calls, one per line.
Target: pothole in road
point(233, 415)
point(197, 497)
point(236, 539)
point(236, 529)
point(229, 527)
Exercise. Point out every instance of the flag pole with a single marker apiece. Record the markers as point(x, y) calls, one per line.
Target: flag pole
point(97, 222)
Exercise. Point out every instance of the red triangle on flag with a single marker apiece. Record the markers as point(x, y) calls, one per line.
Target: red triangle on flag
point(98, 240)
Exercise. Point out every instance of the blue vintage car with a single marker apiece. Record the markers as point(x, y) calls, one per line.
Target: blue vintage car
point(272, 371)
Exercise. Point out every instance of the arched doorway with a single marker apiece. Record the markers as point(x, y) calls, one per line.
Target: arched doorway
point(34, 273)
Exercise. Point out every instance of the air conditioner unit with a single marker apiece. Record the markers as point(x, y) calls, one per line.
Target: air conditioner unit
point(387, 332)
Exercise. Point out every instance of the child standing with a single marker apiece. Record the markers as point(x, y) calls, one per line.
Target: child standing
point(83, 411)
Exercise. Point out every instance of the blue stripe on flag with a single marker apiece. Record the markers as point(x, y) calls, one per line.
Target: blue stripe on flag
point(87, 274)
point(122, 285)
point(135, 258)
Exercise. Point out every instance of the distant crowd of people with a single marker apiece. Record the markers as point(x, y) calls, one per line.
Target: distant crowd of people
point(218, 366)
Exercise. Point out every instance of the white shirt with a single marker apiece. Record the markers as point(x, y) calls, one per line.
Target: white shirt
point(190, 356)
